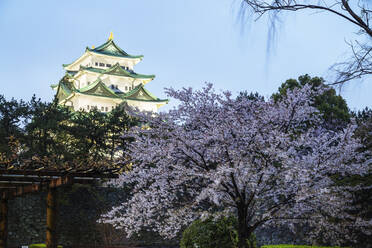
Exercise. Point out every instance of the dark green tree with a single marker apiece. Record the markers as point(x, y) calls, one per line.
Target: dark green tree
point(89, 132)
point(250, 96)
point(212, 233)
point(46, 134)
point(363, 197)
point(118, 123)
point(13, 115)
point(364, 130)
point(335, 113)
point(333, 107)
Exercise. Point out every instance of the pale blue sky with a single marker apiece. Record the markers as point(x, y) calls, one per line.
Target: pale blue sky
point(185, 43)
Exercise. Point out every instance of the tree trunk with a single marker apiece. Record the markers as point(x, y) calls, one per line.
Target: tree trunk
point(3, 221)
point(243, 230)
point(51, 233)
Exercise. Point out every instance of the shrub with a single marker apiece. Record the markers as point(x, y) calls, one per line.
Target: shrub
point(211, 233)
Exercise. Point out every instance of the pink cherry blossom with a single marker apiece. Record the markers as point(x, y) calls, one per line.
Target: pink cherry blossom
point(266, 162)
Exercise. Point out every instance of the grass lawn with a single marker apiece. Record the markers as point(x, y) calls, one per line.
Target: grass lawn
point(297, 246)
point(40, 246)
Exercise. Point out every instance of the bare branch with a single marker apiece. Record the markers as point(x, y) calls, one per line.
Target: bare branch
point(360, 63)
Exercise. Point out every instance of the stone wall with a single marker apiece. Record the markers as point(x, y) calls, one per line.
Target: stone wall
point(26, 219)
point(79, 208)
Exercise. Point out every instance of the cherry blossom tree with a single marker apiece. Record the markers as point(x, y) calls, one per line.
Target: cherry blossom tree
point(266, 162)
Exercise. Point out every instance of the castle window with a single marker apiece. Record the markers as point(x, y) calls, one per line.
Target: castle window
point(102, 109)
point(108, 65)
point(96, 63)
point(101, 64)
point(130, 88)
point(126, 88)
point(106, 109)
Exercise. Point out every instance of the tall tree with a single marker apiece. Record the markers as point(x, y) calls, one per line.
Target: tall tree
point(13, 114)
point(266, 162)
point(40, 135)
point(333, 107)
point(46, 134)
point(355, 12)
point(363, 197)
point(336, 115)
point(119, 122)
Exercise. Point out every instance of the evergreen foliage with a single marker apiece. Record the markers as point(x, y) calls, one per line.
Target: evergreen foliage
point(13, 114)
point(336, 114)
point(49, 135)
point(244, 95)
point(333, 107)
point(212, 233)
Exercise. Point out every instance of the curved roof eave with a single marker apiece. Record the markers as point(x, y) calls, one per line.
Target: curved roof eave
point(67, 67)
point(95, 95)
point(102, 49)
point(123, 72)
point(165, 101)
point(140, 57)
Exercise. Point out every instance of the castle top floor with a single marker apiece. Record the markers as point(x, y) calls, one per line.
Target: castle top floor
point(104, 56)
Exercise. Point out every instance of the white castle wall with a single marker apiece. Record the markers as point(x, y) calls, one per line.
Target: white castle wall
point(84, 102)
point(106, 104)
point(143, 106)
point(124, 84)
point(90, 59)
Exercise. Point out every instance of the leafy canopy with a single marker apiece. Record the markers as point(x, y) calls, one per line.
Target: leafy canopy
point(214, 153)
point(42, 135)
point(333, 107)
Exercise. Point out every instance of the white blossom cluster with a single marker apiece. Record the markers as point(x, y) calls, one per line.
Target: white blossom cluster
point(264, 161)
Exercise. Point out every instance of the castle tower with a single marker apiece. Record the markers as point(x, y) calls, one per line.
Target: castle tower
point(104, 77)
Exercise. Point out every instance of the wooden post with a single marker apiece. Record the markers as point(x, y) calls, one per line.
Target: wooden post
point(51, 232)
point(3, 219)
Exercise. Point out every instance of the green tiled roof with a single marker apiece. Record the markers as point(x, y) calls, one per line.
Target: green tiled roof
point(111, 49)
point(117, 70)
point(98, 88)
point(139, 93)
point(71, 73)
point(65, 89)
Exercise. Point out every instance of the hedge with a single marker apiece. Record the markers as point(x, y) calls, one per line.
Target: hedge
point(211, 234)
